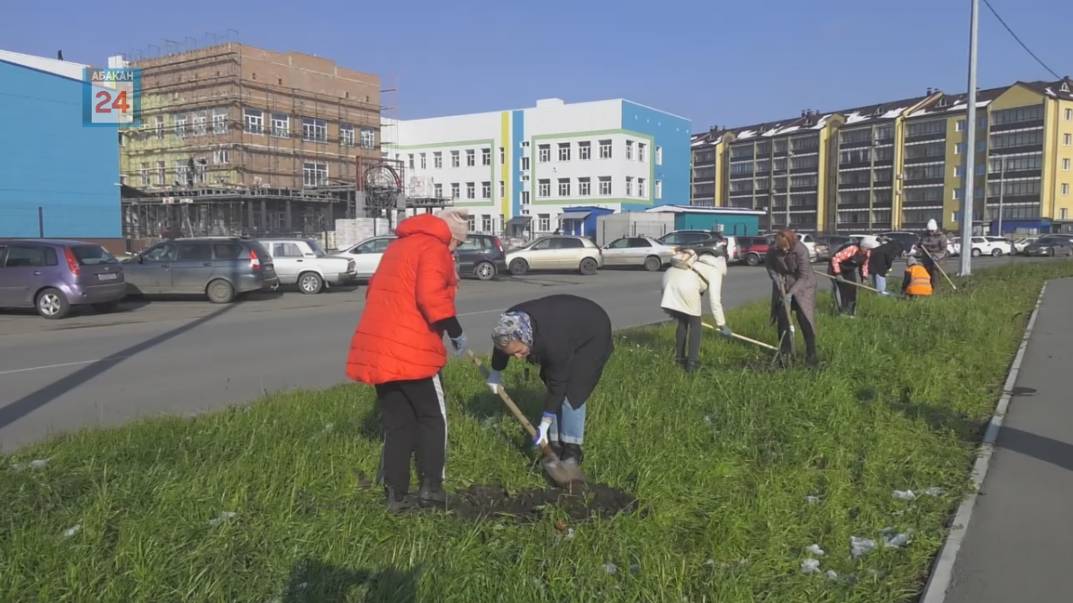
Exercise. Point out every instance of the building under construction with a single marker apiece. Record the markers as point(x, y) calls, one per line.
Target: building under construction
point(239, 140)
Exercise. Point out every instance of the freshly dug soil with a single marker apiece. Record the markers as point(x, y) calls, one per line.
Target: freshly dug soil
point(583, 502)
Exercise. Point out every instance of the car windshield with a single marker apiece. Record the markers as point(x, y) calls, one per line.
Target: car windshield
point(315, 246)
point(93, 255)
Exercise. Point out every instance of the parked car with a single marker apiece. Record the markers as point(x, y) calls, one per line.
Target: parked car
point(1020, 244)
point(220, 268)
point(481, 256)
point(637, 251)
point(556, 253)
point(52, 275)
point(304, 263)
point(833, 243)
point(809, 242)
point(753, 250)
point(993, 246)
point(908, 240)
point(953, 246)
point(1051, 245)
point(366, 254)
point(701, 238)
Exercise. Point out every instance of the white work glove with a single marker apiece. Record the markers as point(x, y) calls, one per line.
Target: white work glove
point(458, 344)
point(542, 430)
point(494, 381)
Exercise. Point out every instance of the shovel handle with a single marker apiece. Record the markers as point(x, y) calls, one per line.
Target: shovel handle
point(514, 410)
point(766, 346)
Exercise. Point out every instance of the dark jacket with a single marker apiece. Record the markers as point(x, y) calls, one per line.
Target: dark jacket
point(882, 257)
point(571, 343)
point(794, 271)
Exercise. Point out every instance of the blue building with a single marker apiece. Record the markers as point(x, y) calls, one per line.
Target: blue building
point(58, 177)
point(581, 220)
point(727, 220)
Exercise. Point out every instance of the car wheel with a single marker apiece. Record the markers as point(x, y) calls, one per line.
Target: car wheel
point(220, 292)
point(996, 253)
point(588, 267)
point(485, 271)
point(52, 304)
point(653, 263)
point(519, 267)
point(106, 308)
point(752, 259)
point(310, 283)
point(976, 253)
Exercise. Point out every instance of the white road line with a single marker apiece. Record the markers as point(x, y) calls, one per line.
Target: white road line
point(473, 313)
point(60, 365)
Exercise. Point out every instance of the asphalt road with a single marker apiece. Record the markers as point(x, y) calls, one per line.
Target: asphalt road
point(182, 357)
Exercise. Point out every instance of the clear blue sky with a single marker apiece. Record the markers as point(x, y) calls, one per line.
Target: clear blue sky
point(713, 61)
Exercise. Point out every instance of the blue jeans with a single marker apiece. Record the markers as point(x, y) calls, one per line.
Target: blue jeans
point(571, 423)
point(881, 282)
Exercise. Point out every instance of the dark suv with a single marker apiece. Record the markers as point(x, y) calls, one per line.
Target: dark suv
point(52, 275)
point(481, 256)
point(220, 268)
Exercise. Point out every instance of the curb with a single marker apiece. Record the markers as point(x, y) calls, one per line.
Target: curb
point(942, 573)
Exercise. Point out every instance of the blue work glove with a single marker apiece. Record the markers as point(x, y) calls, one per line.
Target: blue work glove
point(458, 344)
point(725, 331)
point(541, 437)
point(494, 381)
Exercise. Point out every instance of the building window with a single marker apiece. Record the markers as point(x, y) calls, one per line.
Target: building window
point(629, 151)
point(584, 186)
point(160, 177)
point(959, 148)
point(219, 123)
point(314, 173)
point(315, 130)
point(486, 156)
point(1069, 114)
point(410, 160)
point(421, 160)
point(254, 120)
point(486, 190)
point(544, 188)
point(182, 172)
point(640, 187)
point(1063, 214)
point(564, 187)
point(564, 151)
point(584, 150)
point(368, 138)
point(221, 156)
point(437, 191)
point(1065, 165)
point(525, 163)
point(281, 125)
point(455, 159)
point(502, 156)
point(958, 171)
point(454, 190)
point(346, 135)
point(525, 197)
point(160, 126)
point(437, 159)
point(1068, 138)
point(629, 186)
point(543, 222)
point(1065, 188)
point(605, 149)
point(641, 151)
point(486, 223)
point(659, 189)
point(959, 125)
point(502, 189)
point(545, 153)
point(200, 124)
point(605, 186)
point(471, 158)
point(144, 173)
point(659, 155)
point(180, 126)
point(471, 190)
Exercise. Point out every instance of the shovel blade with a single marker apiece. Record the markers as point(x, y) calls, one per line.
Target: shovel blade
point(563, 473)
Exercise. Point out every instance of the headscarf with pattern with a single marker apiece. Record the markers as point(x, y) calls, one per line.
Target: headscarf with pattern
point(513, 326)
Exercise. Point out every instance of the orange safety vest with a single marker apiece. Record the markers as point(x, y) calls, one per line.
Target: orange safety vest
point(919, 281)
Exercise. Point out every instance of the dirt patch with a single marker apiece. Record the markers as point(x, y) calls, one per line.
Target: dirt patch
point(581, 503)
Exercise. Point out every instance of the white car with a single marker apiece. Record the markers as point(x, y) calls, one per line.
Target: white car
point(637, 251)
point(556, 253)
point(303, 262)
point(993, 246)
point(809, 242)
point(367, 254)
point(1020, 244)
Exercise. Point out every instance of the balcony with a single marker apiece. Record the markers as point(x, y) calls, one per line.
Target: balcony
point(924, 137)
point(1012, 174)
point(1021, 125)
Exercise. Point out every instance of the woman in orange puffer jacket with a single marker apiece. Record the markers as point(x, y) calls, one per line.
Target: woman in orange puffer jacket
point(398, 348)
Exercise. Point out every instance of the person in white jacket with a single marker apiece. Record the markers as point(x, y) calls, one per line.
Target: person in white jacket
point(684, 284)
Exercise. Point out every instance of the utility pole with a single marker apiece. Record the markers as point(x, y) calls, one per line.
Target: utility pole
point(41, 222)
point(1001, 192)
point(970, 147)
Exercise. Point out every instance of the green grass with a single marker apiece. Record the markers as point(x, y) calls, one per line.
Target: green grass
point(721, 461)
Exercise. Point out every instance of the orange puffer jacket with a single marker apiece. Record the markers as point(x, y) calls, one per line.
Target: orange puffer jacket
point(413, 288)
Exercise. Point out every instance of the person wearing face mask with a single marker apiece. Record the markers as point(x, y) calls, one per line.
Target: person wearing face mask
point(569, 337)
point(398, 348)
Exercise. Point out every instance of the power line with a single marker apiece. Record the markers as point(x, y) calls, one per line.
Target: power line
point(1016, 37)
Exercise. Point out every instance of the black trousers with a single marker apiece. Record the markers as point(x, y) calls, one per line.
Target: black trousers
point(686, 337)
point(933, 270)
point(846, 294)
point(807, 330)
point(414, 415)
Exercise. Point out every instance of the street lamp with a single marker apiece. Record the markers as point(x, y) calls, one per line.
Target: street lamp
point(970, 144)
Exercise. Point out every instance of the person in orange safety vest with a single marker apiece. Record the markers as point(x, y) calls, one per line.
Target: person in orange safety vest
point(917, 281)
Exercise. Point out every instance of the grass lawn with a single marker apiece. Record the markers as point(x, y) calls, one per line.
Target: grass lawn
point(737, 470)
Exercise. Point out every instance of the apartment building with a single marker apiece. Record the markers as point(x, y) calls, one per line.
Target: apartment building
point(517, 170)
point(898, 164)
point(258, 141)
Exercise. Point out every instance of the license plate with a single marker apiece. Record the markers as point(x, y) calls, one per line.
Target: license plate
point(107, 276)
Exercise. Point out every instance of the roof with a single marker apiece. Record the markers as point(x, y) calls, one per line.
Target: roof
point(694, 209)
point(67, 69)
point(575, 215)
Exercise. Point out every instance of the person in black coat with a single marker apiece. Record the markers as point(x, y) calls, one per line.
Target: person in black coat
point(569, 337)
point(881, 260)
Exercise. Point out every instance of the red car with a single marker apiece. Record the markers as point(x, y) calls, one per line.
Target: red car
point(753, 250)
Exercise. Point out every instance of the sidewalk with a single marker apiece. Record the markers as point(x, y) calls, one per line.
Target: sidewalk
point(1019, 542)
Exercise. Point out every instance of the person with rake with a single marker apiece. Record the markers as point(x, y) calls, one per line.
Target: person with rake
point(793, 288)
point(851, 260)
point(933, 245)
point(569, 337)
point(684, 283)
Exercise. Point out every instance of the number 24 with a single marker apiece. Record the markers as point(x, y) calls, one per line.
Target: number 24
point(120, 103)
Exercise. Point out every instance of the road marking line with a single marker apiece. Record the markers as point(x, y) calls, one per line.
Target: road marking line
point(60, 365)
point(468, 314)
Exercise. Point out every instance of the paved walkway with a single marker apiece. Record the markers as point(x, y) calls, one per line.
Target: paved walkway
point(1019, 543)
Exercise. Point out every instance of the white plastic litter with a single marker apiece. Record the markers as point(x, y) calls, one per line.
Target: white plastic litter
point(904, 494)
point(569, 534)
point(810, 566)
point(934, 491)
point(38, 463)
point(832, 575)
point(815, 550)
point(222, 517)
point(611, 568)
point(896, 541)
point(859, 547)
point(710, 563)
point(71, 531)
point(812, 500)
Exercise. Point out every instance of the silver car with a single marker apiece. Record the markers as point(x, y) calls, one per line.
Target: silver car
point(219, 268)
point(303, 262)
point(638, 251)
